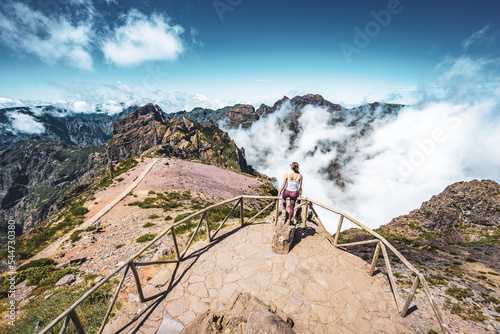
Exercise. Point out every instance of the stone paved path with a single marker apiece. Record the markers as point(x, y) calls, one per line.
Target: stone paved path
point(324, 290)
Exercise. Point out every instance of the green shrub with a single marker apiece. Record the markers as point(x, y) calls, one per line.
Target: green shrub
point(119, 246)
point(36, 263)
point(34, 275)
point(459, 293)
point(79, 210)
point(55, 276)
point(148, 225)
point(153, 216)
point(473, 313)
point(146, 237)
point(455, 271)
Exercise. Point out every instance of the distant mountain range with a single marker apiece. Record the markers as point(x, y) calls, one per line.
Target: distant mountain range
point(82, 129)
point(60, 125)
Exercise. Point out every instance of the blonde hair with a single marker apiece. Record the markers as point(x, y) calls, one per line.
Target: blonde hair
point(295, 167)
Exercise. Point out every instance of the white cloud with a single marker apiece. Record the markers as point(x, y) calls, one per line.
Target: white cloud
point(112, 107)
point(82, 107)
point(478, 36)
point(6, 103)
point(144, 38)
point(25, 123)
point(123, 87)
point(52, 38)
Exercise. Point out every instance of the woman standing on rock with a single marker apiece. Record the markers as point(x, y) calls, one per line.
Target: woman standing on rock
point(293, 183)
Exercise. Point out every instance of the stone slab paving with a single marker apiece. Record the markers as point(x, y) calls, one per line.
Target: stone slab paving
point(322, 289)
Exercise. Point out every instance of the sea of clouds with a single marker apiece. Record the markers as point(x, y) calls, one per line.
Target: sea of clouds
point(452, 134)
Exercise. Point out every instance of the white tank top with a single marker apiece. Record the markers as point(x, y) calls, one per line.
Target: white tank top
point(292, 185)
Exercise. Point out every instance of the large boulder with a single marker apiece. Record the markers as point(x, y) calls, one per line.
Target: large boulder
point(283, 236)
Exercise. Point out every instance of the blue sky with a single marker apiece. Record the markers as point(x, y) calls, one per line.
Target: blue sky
point(183, 54)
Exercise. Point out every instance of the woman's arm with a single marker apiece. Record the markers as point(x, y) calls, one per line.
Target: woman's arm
point(283, 185)
point(300, 185)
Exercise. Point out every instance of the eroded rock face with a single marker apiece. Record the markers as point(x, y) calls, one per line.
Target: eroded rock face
point(35, 175)
point(462, 208)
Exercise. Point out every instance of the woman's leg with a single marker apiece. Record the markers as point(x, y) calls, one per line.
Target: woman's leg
point(285, 195)
point(293, 197)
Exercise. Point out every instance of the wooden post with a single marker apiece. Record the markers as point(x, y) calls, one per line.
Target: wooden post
point(437, 312)
point(321, 224)
point(175, 245)
point(276, 214)
point(137, 282)
point(259, 213)
point(242, 216)
point(184, 252)
point(207, 223)
point(406, 305)
point(67, 319)
point(118, 288)
point(338, 231)
point(391, 277)
point(227, 217)
point(76, 322)
point(375, 258)
point(307, 212)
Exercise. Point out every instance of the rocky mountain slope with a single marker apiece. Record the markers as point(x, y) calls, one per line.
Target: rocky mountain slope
point(35, 175)
point(147, 128)
point(57, 124)
point(454, 239)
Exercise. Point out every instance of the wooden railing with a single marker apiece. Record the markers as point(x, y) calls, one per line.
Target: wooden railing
point(131, 263)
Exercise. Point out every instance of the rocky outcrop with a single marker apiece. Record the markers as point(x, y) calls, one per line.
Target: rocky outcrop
point(299, 102)
point(464, 211)
point(147, 128)
point(242, 115)
point(283, 236)
point(137, 132)
point(246, 315)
